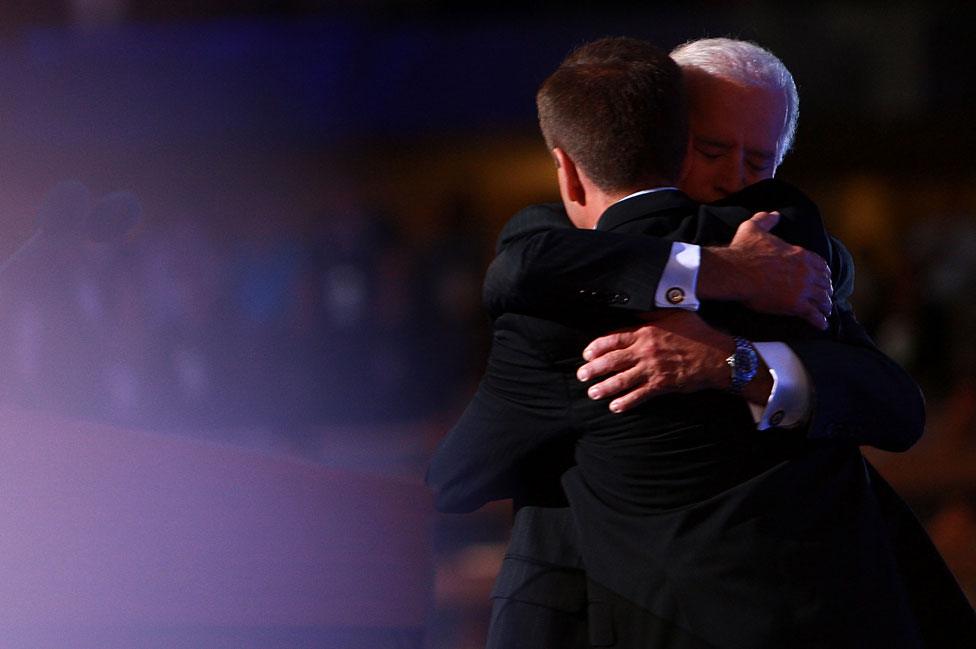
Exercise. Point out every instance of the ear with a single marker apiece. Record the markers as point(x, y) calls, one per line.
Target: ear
point(570, 185)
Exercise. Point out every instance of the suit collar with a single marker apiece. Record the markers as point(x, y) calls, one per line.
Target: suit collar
point(644, 205)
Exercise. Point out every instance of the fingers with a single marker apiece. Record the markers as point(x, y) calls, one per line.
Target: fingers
point(765, 221)
point(814, 305)
point(814, 315)
point(824, 306)
point(605, 344)
point(613, 361)
point(817, 304)
point(821, 291)
point(636, 390)
point(825, 285)
point(821, 297)
point(815, 264)
point(631, 399)
point(614, 385)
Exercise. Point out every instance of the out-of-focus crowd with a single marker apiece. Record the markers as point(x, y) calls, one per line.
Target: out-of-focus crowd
point(920, 310)
point(335, 320)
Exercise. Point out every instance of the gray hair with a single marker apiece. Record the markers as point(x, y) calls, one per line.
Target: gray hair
point(747, 64)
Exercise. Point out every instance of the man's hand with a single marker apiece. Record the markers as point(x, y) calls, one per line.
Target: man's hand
point(767, 274)
point(675, 352)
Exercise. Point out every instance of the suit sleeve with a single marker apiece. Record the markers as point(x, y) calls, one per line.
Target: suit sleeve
point(860, 394)
point(545, 266)
point(521, 405)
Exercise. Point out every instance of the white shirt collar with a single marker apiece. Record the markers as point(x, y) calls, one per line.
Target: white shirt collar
point(647, 191)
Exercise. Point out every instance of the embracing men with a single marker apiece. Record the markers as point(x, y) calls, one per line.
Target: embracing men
point(696, 526)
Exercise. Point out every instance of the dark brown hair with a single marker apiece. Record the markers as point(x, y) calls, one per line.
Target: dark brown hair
point(617, 107)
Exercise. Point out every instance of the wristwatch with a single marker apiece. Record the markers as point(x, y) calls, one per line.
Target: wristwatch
point(744, 363)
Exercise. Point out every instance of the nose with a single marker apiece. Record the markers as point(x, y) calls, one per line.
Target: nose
point(732, 176)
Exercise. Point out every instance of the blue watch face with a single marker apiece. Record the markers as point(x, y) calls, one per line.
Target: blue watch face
point(745, 363)
point(745, 360)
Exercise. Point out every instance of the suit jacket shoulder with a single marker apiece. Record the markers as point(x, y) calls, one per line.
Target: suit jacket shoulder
point(532, 219)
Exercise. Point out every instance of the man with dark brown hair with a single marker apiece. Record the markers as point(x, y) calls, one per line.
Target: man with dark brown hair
point(625, 124)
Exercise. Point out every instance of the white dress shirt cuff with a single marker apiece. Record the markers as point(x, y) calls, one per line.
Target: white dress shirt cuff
point(790, 401)
point(679, 279)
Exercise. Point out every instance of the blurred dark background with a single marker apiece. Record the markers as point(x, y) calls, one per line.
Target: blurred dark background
point(321, 184)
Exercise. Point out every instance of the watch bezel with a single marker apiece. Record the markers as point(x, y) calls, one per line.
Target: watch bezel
point(744, 363)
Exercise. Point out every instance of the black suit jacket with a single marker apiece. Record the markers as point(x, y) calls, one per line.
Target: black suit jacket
point(681, 500)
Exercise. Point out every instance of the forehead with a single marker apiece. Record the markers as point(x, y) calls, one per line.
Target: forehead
point(720, 110)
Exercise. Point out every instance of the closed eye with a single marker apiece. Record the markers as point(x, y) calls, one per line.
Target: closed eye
point(710, 152)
